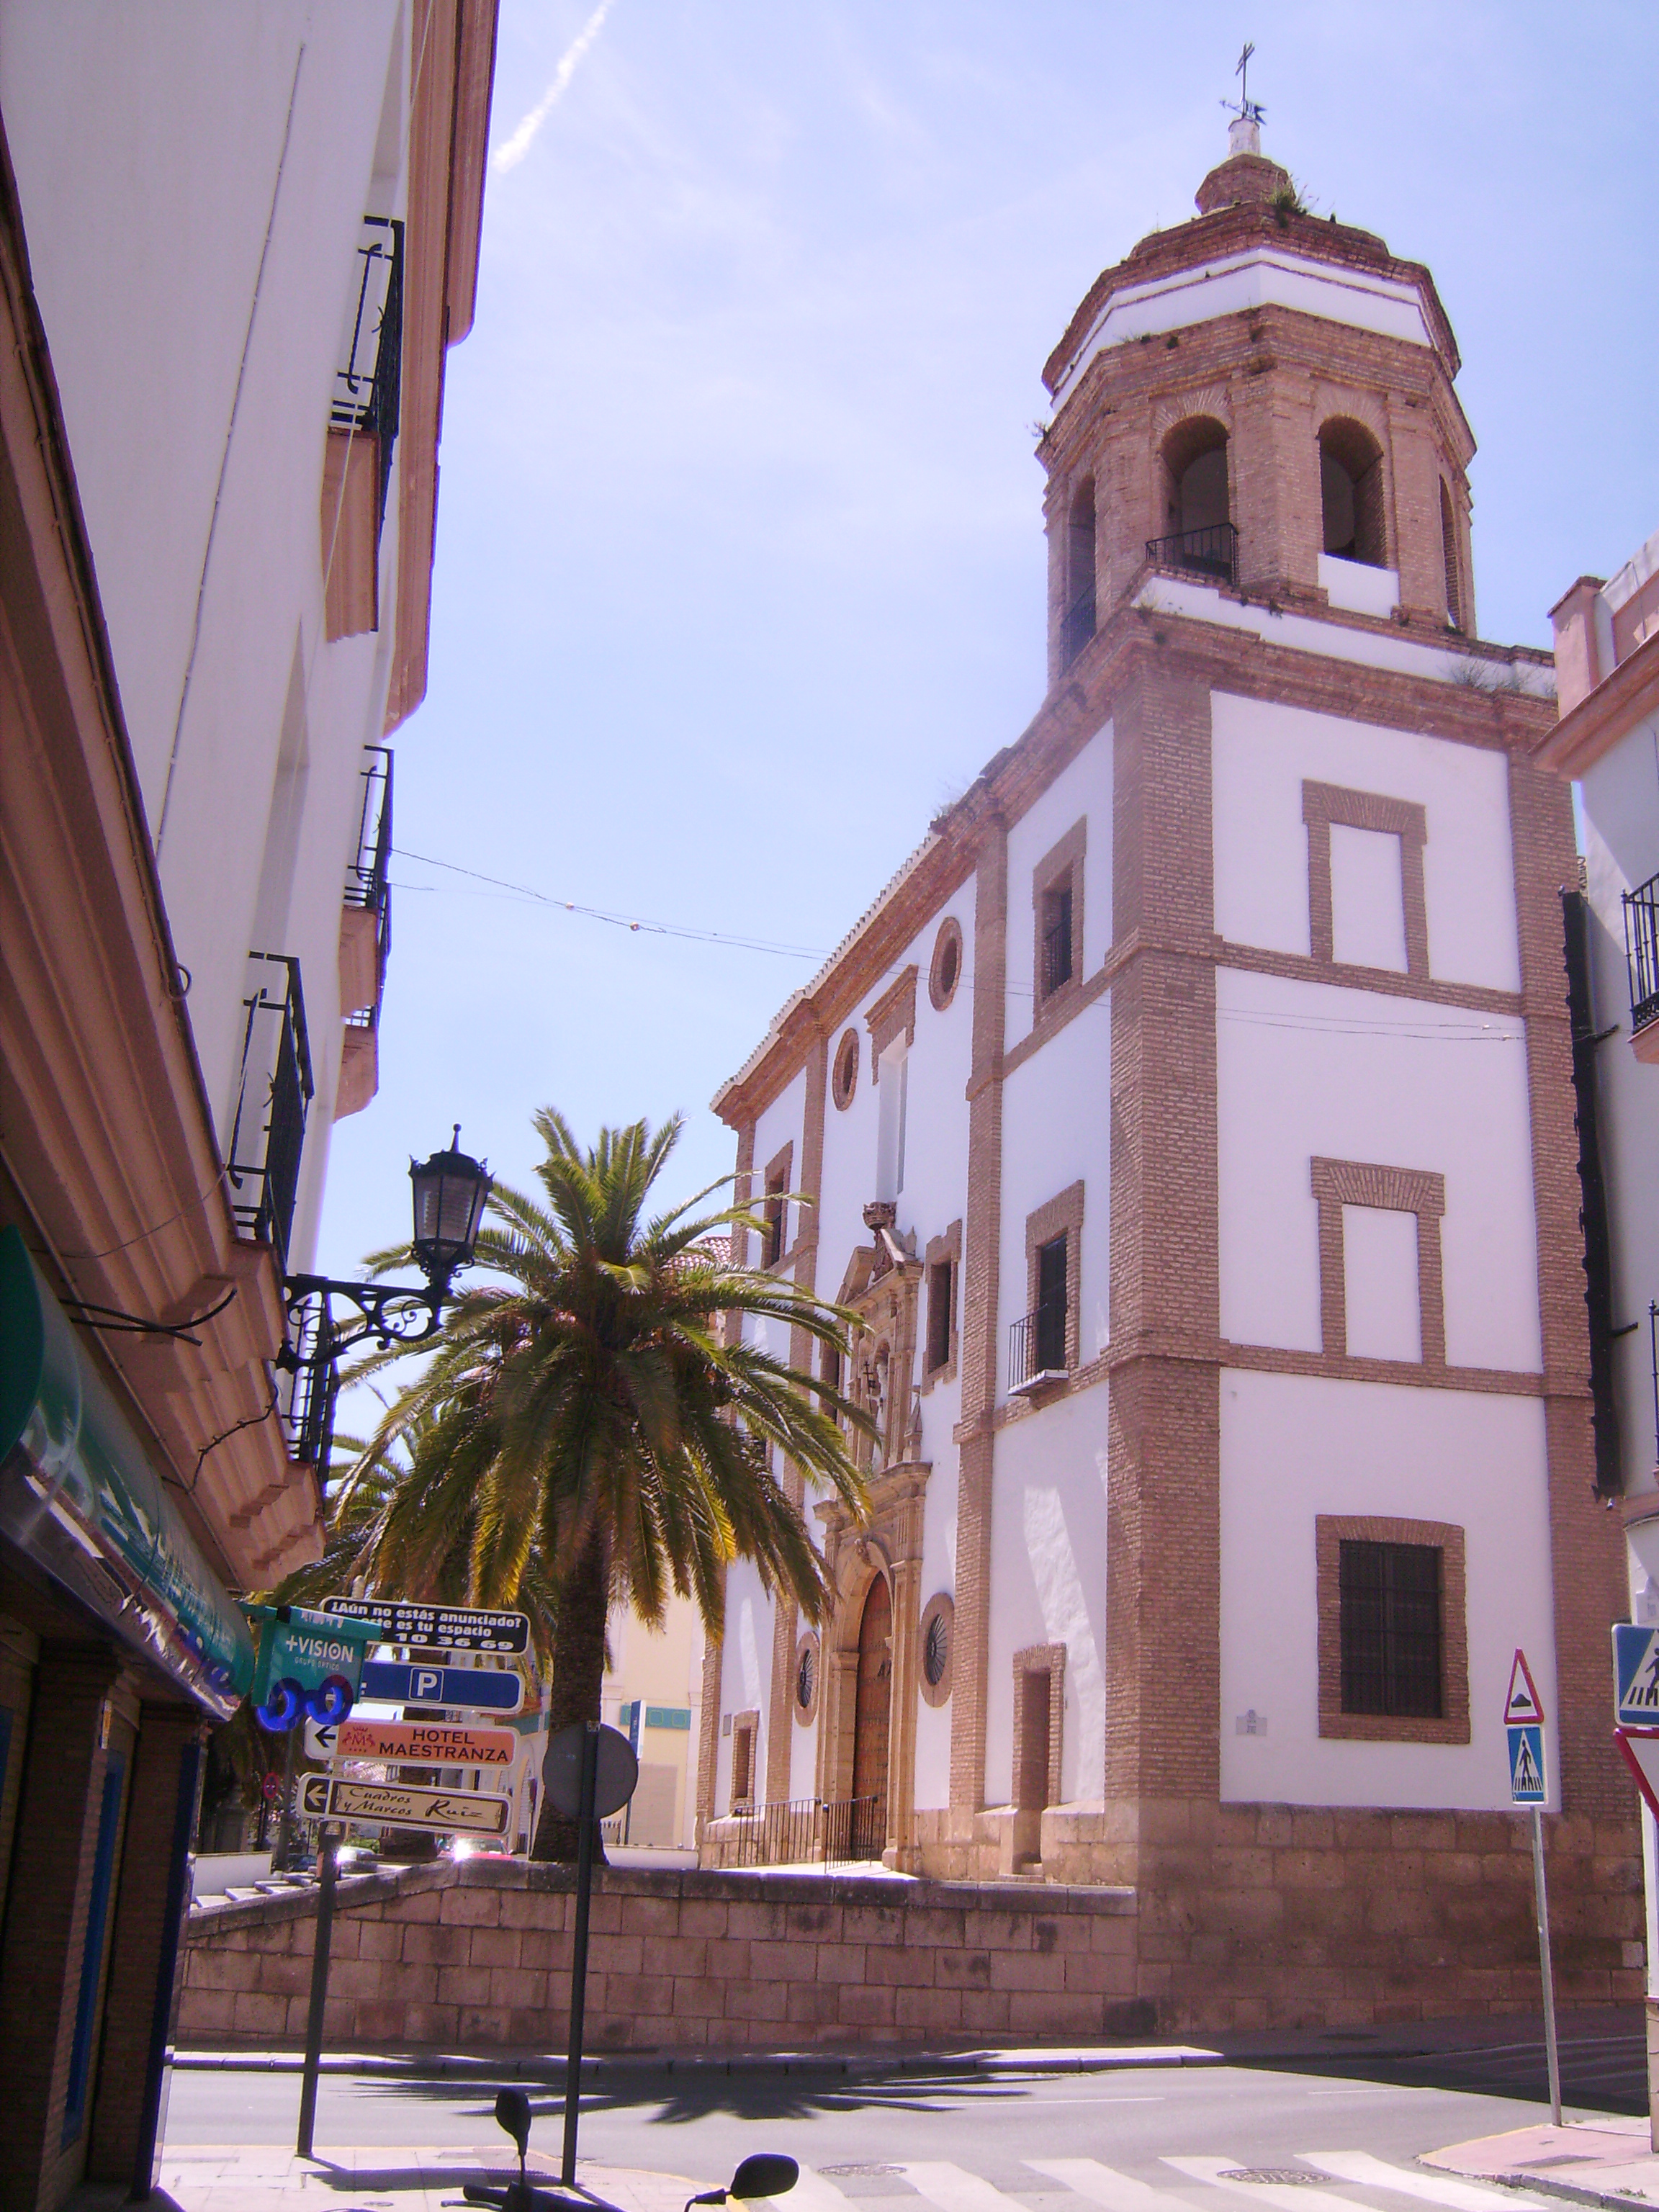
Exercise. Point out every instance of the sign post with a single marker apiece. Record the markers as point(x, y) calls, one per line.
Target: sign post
point(1524, 1719)
point(319, 1954)
point(588, 1772)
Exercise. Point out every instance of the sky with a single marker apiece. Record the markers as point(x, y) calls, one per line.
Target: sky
point(740, 564)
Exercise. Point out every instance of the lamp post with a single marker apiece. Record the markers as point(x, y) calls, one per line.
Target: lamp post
point(448, 1191)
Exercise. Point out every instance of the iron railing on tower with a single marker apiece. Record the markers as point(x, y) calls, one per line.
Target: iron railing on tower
point(1212, 553)
point(1036, 1346)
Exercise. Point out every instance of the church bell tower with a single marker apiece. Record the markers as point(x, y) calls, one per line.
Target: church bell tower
point(1262, 397)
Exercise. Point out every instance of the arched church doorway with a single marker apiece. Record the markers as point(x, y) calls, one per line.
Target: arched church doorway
point(872, 1720)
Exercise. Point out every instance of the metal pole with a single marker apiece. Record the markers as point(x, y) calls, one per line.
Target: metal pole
point(320, 1950)
point(572, 2064)
point(1542, 1896)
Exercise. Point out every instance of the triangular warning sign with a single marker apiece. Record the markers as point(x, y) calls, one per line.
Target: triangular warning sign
point(1526, 1782)
point(1524, 1704)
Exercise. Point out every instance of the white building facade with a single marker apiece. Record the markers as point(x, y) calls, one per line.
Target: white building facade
point(236, 243)
point(1189, 1124)
point(1606, 743)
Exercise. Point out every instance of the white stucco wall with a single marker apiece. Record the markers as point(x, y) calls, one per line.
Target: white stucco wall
point(1049, 1584)
point(1261, 754)
point(1304, 1070)
point(193, 182)
point(1294, 1447)
point(1619, 827)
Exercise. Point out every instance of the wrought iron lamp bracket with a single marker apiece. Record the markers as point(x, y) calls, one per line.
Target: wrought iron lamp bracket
point(391, 1313)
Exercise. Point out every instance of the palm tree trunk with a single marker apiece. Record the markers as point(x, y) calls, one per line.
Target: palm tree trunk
point(578, 1673)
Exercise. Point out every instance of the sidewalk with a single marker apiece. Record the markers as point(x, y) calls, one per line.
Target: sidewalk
point(255, 2177)
point(1604, 2161)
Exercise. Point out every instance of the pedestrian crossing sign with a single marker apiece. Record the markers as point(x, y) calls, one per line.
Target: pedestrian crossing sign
point(1636, 1674)
point(1527, 1764)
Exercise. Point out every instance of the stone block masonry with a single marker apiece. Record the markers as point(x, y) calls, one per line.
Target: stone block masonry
point(475, 1955)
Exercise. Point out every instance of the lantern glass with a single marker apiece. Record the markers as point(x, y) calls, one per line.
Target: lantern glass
point(449, 1193)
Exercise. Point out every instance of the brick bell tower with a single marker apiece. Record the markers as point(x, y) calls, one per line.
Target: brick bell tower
point(1261, 619)
point(1249, 398)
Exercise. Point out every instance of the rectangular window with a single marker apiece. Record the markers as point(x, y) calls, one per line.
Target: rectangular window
point(1381, 1283)
point(893, 1090)
point(742, 1762)
point(940, 1287)
point(1051, 1304)
point(1056, 948)
point(777, 1215)
point(1391, 1629)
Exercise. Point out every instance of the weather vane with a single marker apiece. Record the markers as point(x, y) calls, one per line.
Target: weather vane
point(1246, 109)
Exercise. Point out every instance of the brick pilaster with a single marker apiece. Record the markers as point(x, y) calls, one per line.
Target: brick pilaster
point(1586, 1539)
point(1163, 1607)
point(44, 1937)
point(981, 1232)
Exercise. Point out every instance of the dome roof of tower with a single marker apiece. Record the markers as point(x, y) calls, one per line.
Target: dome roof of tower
point(1246, 203)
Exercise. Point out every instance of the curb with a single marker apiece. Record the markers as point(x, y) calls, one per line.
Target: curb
point(1569, 2193)
point(453, 2065)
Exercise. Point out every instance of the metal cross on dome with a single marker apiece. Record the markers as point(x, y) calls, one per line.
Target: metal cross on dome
point(1246, 109)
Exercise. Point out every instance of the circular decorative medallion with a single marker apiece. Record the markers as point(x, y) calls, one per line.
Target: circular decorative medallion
point(844, 1079)
point(937, 1622)
point(945, 973)
point(806, 1679)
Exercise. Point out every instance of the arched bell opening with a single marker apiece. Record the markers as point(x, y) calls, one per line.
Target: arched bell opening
point(1196, 501)
point(1078, 621)
point(1350, 493)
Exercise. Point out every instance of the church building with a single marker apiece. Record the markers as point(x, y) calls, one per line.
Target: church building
point(1190, 1124)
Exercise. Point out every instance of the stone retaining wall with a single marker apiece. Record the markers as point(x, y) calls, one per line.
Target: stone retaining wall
point(457, 1957)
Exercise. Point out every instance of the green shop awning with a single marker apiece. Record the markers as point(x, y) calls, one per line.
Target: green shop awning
point(80, 1495)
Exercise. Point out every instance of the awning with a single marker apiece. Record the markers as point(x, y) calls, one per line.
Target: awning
point(81, 1497)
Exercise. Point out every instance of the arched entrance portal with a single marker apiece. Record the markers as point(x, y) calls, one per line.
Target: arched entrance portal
point(872, 1714)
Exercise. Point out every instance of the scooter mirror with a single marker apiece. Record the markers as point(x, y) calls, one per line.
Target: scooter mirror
point(764, 2173)
point(513, 2113)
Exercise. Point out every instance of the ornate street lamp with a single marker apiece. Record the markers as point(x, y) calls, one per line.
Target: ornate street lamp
point(449, 1192)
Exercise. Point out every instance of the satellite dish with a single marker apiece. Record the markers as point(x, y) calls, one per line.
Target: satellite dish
point(561, 1771)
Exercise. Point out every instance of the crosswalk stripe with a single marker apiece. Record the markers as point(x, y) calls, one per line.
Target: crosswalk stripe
point(1359, 2165)
point(813, 2193)
point(954, 2189)
point(1104, 2184)
point(1283, 2196)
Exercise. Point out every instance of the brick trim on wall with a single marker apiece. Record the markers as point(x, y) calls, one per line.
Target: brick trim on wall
point(948, 1247)
point(895, 1011)
point(778, 1178)
point(746, 1724)
point(982, 1236)
point(1323, 804)
point(1337, 1184)
point(1063, 1212)
point(1331, 1530)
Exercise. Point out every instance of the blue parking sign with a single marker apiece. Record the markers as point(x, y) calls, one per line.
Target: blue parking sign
point(1527, 1764)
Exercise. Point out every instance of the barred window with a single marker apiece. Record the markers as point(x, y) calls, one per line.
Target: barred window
point(1391, 1629)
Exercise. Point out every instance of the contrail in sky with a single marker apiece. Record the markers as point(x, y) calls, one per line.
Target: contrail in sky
point(520, 143)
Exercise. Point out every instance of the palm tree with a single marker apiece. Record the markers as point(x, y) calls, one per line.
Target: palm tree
point(591, 1423)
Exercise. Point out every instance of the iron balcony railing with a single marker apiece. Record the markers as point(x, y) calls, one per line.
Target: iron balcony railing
point(368, 389)
point(272, 1099)
point(806, 1831)
point(1642, 951)
point(1077, 627)
point(1037, 1347)
point(368, 878)
point(1056, 956)
point(1212, 552)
